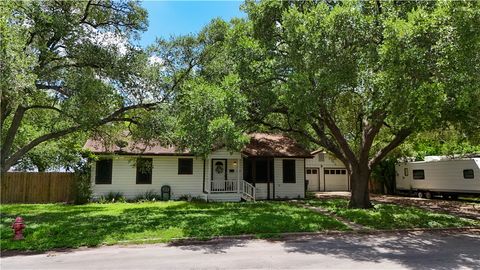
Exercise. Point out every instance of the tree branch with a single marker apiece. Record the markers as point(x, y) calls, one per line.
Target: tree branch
point(337, 134)
point(114, 117)
point(397, 140)
point(12, 131)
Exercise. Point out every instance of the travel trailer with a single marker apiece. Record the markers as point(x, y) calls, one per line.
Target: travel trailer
point(445, 177)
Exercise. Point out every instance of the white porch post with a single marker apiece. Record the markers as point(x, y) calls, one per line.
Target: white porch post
point(209, 177)
point(238, 175)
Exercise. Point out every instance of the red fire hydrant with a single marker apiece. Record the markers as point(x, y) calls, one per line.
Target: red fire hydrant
point(18, 227)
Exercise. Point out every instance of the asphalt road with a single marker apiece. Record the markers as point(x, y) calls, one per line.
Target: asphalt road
point(385, 251)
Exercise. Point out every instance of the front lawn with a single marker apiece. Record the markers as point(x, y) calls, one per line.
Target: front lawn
point(68, 226)
point(391, 216)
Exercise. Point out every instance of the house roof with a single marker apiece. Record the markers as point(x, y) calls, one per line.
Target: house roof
point(274, 145)
point(317, 151)
point(260, 145)
point(133, 148)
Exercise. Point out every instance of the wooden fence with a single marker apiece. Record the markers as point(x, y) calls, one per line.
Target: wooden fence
point(35, 187)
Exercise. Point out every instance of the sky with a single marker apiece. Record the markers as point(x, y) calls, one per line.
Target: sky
point(174, 18)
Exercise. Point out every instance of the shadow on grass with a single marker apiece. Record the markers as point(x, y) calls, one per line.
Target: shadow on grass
point(91, 225)
point(391, 216)
point(413, 251)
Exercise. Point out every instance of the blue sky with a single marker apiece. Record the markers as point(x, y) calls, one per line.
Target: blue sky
point(167, 18)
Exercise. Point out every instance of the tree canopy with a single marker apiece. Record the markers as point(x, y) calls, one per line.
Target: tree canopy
point(357, 78)
point(354, 77)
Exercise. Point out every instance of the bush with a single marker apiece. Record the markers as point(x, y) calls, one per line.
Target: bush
point(190, 198)
point(83, 185)
point(148, 196)
point(112, 197)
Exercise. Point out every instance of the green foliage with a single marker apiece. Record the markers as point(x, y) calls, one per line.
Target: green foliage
point(358, 78)
point(441, 142)
point(390, 216)
point(148, 196)
point(83, 188)
point(208, 109)
point(210, 116)
point(384, 173)
point(112, 197)
point(190, 198)
point(68, 67)
point(52, 226)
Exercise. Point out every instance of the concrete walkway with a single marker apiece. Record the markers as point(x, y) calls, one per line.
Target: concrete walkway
point(345, 251)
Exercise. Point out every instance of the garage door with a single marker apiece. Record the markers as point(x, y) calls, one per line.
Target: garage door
point(313, 179)
point(336, 179)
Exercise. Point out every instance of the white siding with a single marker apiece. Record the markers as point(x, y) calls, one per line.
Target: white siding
point(164, 172)
point(290, 190)
point(231, 157)
point(329, 161)
point(262, 191)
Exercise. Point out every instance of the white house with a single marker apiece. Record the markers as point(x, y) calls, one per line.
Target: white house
point(271, 166)
point(324, 172)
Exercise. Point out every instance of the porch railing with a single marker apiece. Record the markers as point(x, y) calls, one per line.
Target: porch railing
point(248, 190)
point(224, 186)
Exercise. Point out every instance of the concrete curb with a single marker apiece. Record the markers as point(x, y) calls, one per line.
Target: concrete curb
point(285, 236)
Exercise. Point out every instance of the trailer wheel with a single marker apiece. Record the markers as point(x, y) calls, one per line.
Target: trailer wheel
point(428, 195)
point(420, 194)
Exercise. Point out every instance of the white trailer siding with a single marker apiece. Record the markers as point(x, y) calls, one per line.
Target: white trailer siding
point(326, 182)
point(439, 176)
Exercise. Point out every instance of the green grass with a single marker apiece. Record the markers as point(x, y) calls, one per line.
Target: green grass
point(391, 216)
point(67, 226)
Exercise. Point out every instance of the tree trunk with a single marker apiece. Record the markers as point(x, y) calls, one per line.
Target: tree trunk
point(360, 197)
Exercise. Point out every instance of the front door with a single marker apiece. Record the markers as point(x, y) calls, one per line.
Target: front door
point(219, 173)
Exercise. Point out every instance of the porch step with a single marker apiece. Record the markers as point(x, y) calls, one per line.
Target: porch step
point(224, 197)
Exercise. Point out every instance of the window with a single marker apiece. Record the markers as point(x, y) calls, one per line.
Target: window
point(321, 157)
point(144, 170)
point(314, 171)
point(344, 171)
point(288, 171)
point(103, 171)
point(327, 171)
point(468, 174)
point(309, 171)
point(405, 171)
point(258, 170)
point(418, 174)
point(185, 166)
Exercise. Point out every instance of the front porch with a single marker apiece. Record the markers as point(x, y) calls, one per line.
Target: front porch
point(224, 178)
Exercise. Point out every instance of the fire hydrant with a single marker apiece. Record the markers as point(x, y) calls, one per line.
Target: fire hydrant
point(18, 227)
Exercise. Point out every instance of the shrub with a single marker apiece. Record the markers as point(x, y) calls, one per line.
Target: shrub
point(185, 197)
point(112, 196)
point(148, 196)
point(82, 184)
point(190, 198)
point(197, 199)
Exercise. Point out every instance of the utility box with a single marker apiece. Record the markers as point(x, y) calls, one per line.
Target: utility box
point(165, 193)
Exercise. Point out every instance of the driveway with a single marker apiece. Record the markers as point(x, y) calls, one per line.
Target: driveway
point(417, 250)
